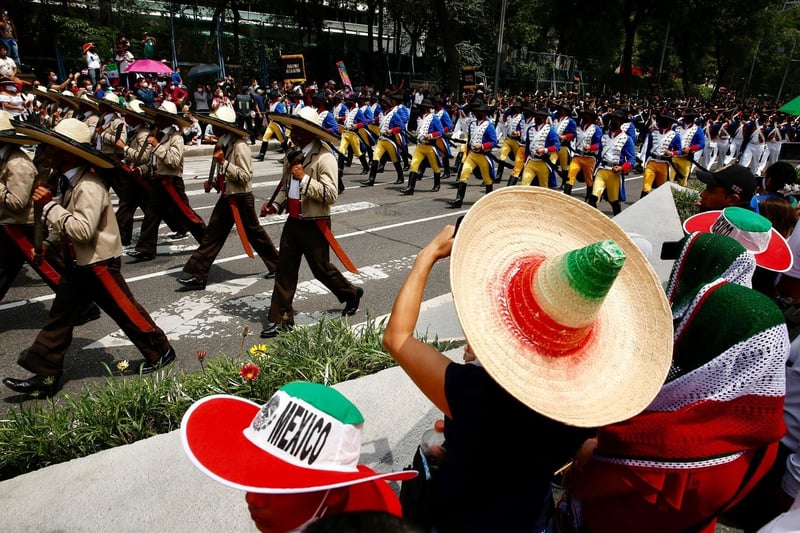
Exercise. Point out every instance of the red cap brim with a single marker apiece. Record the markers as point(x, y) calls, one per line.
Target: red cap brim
point(777, 256)
point(212, 433)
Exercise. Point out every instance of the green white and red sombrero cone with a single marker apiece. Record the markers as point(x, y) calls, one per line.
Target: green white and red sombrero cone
point(306, 438)
point(751, 230)
point(560, 306)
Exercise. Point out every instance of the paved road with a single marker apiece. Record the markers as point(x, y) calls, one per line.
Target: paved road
point(380, 229)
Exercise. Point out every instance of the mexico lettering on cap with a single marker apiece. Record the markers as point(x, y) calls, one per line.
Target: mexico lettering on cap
point(293, 428)
point(751, 230)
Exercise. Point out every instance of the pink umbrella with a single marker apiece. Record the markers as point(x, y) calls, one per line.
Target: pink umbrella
point(148, 66)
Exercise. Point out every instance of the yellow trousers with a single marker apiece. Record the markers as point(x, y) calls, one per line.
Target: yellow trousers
point(473, 161)
point(538, 169)
point(274, 129)
point(608, 181)
point(684, 166)
point(351, 139)
point(584, 165)
point(385, 146)
point(655, 173)
point(425, 151)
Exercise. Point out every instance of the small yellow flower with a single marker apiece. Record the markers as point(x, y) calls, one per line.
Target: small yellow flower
point(122, 365)
point(49, 380)
point(258, 351)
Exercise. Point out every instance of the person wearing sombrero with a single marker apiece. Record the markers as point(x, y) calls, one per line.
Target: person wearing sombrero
point(307, 191)
point(588, 140)
point(481, 140)
point(693, 140)
point(712, 432)
point(571, 330)
point(391, 141)
point(232, 175)
point(274, 129)
point(292, 477)
point(538, 146)
point(18, 232)
point(514, 119)
point(429, 134)
point(616, 158)
point(83, 224)
point(662, 144)
point(169, 191)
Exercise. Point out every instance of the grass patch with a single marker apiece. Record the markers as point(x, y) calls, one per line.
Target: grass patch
point(686, 200)
point(126, 408)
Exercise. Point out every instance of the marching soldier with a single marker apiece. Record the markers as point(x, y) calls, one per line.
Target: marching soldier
point(447, 126)
point(539, 144)
point(693, 140)
point(354, 122)
point(84, 226)
point(274, 129)
point(168, 192)
point(617, 157)
point(307, 191)
point(429, 134)
point(589, 136)
point(566, 128)
point(231, 174)
point(391, 141)
point(511, 144)
point(481, 139)
point(661, 146)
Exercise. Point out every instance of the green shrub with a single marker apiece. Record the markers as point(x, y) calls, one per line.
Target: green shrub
point(125, 408)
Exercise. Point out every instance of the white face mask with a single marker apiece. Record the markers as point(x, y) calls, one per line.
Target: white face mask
point(144, 86)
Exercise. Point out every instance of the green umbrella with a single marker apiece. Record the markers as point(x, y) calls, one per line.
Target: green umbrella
point(203, 69)
point(792, 108)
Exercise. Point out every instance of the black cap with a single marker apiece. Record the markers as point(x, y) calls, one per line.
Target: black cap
point(736, 179)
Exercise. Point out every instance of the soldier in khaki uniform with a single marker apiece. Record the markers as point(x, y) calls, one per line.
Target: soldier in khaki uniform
point(232, 176)
point(83, 224)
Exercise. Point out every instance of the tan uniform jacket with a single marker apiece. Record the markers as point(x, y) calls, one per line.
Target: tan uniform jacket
point(17, 175)
point(238, 168)
point(86, 216)
point(139, 152)
point(318, 189)
point(169, 155)
point(114, 130)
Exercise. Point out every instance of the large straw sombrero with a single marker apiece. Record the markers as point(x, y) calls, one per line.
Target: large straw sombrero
point(169, 111)
point(109, 101)
point(83, 101)
point(306, 119)
point(70, 135)
point(224, 117)
point(42, 92)
point(530, 298)
point(8, 134)
point(751, 230)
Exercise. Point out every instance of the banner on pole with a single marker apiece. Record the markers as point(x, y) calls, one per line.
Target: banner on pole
point(343, 74)
point(294, 69)
point(468, 78)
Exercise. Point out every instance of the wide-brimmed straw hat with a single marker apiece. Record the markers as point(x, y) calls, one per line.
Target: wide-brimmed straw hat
point(109, 101)
point(70, 135)
point(307, 119)
point(251, 447)
point(751, 230)
point(545, 313)
point(224, 117)
point(8, 134)
point(169, 111)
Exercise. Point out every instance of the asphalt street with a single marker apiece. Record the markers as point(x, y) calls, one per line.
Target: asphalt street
point(380, 229)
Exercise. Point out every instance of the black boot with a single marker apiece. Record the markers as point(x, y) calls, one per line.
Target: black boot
point(513, 180)
point(261, 152)
point(446, 168)
point(498, 178)
point(412, 180)
point(567, 189)
point(589, 194)
point(341, 166)
point(341, 185)
point(405, 160)
point(592, 200)
point(616, 208)
point(373, 169)
point(437, 181)
point(489, 188)
point(644, 193)
point(364, 164)
point(462, 190)
point(399, 169)
point(349, 161)
point(284, 147)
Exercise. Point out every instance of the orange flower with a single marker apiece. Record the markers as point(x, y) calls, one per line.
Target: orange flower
point(201, 354)
point(249, 372)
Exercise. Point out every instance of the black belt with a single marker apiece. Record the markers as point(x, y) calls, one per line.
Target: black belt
point(660, 158)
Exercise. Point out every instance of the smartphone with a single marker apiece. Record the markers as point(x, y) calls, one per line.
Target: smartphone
point(458, 223)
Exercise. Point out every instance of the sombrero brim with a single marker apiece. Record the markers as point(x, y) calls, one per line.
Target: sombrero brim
point(99, 102)
point(62, 142)
point(624, 362)
point(300, 122)
point(12, 137)
point(50, 95)
point(212, 433)
point(222, 124)
point(179, 120)
point(777, 257)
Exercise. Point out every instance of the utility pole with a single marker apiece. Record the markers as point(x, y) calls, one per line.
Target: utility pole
point(786, 72)
point(500, 47)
